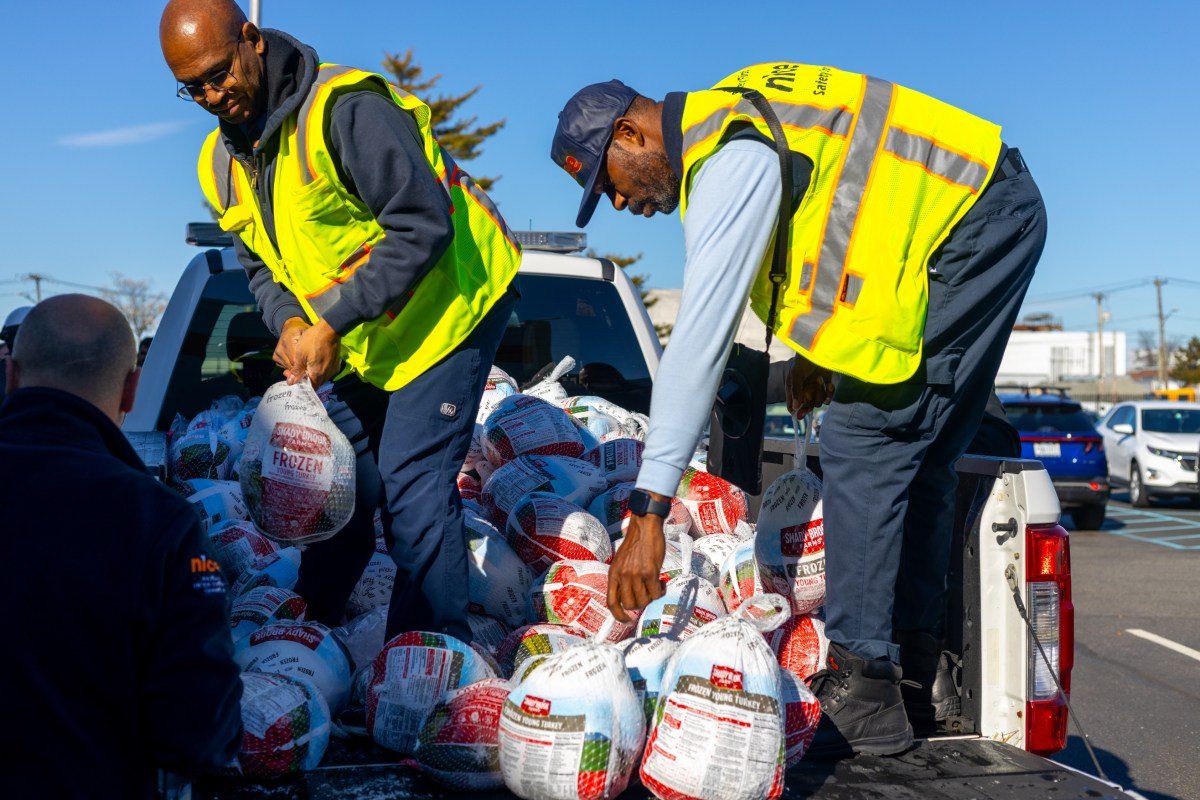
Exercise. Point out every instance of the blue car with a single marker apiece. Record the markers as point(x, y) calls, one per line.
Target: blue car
point(1058, 432)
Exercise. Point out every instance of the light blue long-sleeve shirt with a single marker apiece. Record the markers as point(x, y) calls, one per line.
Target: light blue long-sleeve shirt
point(733, 206)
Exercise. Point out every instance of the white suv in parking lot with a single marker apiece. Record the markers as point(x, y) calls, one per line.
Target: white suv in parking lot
point(1152, 448)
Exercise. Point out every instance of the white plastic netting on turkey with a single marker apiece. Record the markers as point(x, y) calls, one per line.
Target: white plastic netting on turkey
point(576, 593)
point(408, 679)
point(498, 580)
point(262, 605)
point(709, 553)
point(572, 479)
point(572, 728)
point(281, 568)
point(302, 650)
point(523, 425)
point(486, 632)
point(600, 414)
point(364, 636)
point(549, 388)
point(790, 540)
point(297, 469)
point(215, 501)
point(718, 730)
point(459, 741)
point(543, 528)
point(237, 543)
point(199, 453)
point(529, 645)
point(285, 726)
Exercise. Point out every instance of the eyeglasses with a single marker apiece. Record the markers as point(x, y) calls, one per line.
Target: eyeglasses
point(217, 82)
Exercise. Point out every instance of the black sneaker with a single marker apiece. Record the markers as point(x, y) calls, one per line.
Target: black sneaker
point(932, 695)
point(862, 710)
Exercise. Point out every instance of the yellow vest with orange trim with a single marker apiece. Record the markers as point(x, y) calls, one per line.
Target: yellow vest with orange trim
point(893, 172)
point(325, 233)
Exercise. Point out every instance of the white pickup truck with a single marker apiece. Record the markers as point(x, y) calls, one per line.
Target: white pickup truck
point(1011, 553)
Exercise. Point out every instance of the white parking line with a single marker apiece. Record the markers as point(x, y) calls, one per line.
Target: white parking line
point(1167, 643)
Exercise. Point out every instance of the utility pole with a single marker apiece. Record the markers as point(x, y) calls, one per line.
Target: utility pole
point(256, 12)
point(1100, 341)
point(1162, 346)
point(37, 284)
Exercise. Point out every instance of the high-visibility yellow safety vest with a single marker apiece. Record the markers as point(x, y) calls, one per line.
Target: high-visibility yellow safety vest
point(325, 233)
point(894, 171)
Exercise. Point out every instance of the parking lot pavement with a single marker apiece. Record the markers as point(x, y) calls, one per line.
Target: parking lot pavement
point(1136, 679)
point(1174, 525)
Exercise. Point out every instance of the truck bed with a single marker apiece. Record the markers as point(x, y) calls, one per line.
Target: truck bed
point(944, 768)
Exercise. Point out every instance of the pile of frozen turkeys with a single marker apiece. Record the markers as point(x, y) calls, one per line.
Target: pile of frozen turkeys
point(701, 696)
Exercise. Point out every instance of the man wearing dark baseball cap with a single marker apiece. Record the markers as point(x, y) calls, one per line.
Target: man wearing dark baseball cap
point(913, 236)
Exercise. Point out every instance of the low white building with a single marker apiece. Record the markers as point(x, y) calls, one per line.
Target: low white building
point(1035, 357)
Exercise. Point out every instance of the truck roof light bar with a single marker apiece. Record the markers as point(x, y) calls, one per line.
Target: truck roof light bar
point(207, 234)
point(552, 241)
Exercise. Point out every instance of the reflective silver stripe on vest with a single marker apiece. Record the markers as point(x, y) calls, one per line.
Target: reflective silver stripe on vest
point(467, 184)
point(936, 160)
point(847, 197)
point(222, 167)
point(324, 76)
point(836, 121)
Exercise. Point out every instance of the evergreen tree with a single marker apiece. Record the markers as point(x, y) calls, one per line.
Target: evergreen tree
point(1186, 367)
point(461, 137)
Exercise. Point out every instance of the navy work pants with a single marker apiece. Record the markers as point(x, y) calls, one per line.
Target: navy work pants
point(410, 444)
point(888, 451)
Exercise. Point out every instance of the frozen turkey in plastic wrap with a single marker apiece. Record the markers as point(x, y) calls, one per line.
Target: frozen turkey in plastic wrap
point(572, 479)
point(801, 714)
point(237, 544)
point(199, 453)
point(363, 637)
point(529, 645)
point(576, 593)
point(572, 729)
point(215, 501)
point(549, 388)
point(486, 632)
point(262, 605)
point(800, 644)
point(297, 470)
point(470, 488)
point(498, 580)
point(661, 615)
point(285, 725)
point(718, 729)
point(790, 536)
point(459, 741)
point(281, 568)
point(716, 505)
point(709, 553)
point(302, 650)
point(632, 425)
point(739, 578)
point(522, 425)
point(619, 459)
point(646, 659)
point(374, 586)
point(408, 679)
point(544, 528)
point(499, 386)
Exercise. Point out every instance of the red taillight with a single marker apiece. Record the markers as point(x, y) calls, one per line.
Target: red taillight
point(1093, 444)
point(1052, 617)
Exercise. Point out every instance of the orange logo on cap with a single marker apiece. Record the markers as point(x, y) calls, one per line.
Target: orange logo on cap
point(572, 165)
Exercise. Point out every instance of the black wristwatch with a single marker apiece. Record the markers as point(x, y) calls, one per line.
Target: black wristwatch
point(641, 504)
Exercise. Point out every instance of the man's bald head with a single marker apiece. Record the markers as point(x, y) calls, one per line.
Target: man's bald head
point(78, 344)
point(199, 21)
point(209, 44)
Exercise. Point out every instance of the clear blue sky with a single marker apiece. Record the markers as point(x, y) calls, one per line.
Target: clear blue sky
point(1101, 97)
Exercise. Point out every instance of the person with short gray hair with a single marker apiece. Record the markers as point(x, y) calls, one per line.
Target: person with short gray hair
point(125, 664)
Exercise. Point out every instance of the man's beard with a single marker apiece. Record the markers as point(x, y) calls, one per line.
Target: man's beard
point(657, 185)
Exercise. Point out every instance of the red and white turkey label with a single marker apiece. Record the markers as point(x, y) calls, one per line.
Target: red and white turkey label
point(803, 539)
point(299, 456)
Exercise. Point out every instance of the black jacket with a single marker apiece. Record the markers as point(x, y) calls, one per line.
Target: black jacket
point(118, 657)
point(380, 159)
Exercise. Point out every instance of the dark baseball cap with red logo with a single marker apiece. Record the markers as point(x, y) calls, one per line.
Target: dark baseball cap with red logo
point(585, 128)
